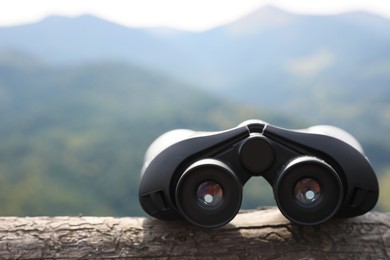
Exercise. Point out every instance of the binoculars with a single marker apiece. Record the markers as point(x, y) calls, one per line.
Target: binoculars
point(316, 173)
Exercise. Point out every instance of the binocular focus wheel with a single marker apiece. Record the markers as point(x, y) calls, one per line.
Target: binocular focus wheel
point(256, 154)
point(308, 191)
point(208, 194)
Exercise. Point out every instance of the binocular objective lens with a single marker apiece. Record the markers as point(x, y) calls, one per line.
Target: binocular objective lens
point(307, 191)
point(209, 194)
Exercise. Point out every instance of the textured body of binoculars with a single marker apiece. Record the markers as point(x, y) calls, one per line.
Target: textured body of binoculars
point(316, 173)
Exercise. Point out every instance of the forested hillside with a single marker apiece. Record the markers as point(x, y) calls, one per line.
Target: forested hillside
point(74, 137)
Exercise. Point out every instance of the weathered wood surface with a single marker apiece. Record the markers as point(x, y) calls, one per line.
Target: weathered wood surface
point(260, 234)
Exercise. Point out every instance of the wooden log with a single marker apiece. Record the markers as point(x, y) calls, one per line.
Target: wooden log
point(259, 234)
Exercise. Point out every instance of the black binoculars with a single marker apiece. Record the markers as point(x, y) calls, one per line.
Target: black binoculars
point(316, 173)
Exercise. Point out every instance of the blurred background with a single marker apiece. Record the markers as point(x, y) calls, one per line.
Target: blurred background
point(86, 86)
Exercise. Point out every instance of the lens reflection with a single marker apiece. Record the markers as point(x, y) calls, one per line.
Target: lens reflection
point(209, 194)
point(307, 191)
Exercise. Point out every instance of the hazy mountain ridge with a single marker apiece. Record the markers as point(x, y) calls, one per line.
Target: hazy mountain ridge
point(276, 37)
point(269, 58)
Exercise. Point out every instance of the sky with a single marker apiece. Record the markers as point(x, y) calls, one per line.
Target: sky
point(194, 15)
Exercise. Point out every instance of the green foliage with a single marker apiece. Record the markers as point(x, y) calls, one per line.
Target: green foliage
point(384, 184)
point(73, 138)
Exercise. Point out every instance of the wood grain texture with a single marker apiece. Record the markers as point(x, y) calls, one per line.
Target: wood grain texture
point(260, 234)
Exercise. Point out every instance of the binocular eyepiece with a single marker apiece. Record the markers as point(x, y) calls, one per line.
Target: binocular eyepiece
point(316, 173)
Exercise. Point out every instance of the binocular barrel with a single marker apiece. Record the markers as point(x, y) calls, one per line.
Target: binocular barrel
point(316, 174)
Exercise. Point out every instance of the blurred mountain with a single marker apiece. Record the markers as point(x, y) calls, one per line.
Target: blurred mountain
point(87, 38)
point(257, 51)
point(269, 57)
point(82, 98)
point(331, 69)
point(74, 137)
